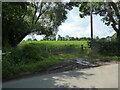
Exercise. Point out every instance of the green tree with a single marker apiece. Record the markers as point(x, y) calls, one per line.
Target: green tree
point(14, 25)
point(67, 37)
point(59, 37)
point(108, 10)
point(23, 18)
point(97, 38)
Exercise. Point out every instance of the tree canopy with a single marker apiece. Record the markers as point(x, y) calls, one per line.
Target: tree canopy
point(22, 18)
point(110, 11)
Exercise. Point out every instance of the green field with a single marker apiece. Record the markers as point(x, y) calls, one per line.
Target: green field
point(56, 46)
point(56, 42)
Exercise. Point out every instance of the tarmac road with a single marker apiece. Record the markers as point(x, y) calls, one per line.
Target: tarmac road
point(99, 77)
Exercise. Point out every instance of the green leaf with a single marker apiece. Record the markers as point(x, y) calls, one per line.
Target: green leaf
point(81, 15)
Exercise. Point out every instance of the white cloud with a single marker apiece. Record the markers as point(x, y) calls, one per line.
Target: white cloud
point(80, 27)
point(100, 29)
point(38, 37)
point(75, 26)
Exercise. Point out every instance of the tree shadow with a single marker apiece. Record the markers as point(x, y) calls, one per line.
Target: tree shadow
point(64, 79)
point(69, 79)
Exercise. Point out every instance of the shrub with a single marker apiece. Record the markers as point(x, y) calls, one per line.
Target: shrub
point(111, 48)
point(30, 52)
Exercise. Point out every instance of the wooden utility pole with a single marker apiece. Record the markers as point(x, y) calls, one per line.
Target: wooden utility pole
point(91, 20)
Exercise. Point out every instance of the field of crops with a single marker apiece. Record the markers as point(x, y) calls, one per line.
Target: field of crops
point(56, 45)
point(56, 42)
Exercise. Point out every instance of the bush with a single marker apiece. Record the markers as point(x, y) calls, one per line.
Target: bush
point(13, 63)
point(111, 48)
point(30, 52)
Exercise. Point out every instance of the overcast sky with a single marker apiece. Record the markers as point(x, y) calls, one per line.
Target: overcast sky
point(74, 26)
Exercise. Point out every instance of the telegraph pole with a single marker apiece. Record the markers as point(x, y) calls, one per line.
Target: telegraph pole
point(91, 23)
point(91, 20)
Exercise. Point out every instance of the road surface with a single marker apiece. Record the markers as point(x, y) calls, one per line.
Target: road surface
point(99, 77)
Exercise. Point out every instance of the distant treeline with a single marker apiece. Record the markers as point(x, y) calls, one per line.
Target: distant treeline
point(67, 38)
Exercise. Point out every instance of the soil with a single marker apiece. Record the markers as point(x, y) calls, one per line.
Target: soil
point(71, 64)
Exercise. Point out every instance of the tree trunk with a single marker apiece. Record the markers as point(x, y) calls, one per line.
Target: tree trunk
point(118, 32)
point(14, 41)
point(118, 35)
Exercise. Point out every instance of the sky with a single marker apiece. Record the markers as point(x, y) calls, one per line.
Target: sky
point(80, 27)
point(74, 26)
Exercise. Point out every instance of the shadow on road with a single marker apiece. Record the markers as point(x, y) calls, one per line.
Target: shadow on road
point(102, 77)
point(66, 79)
